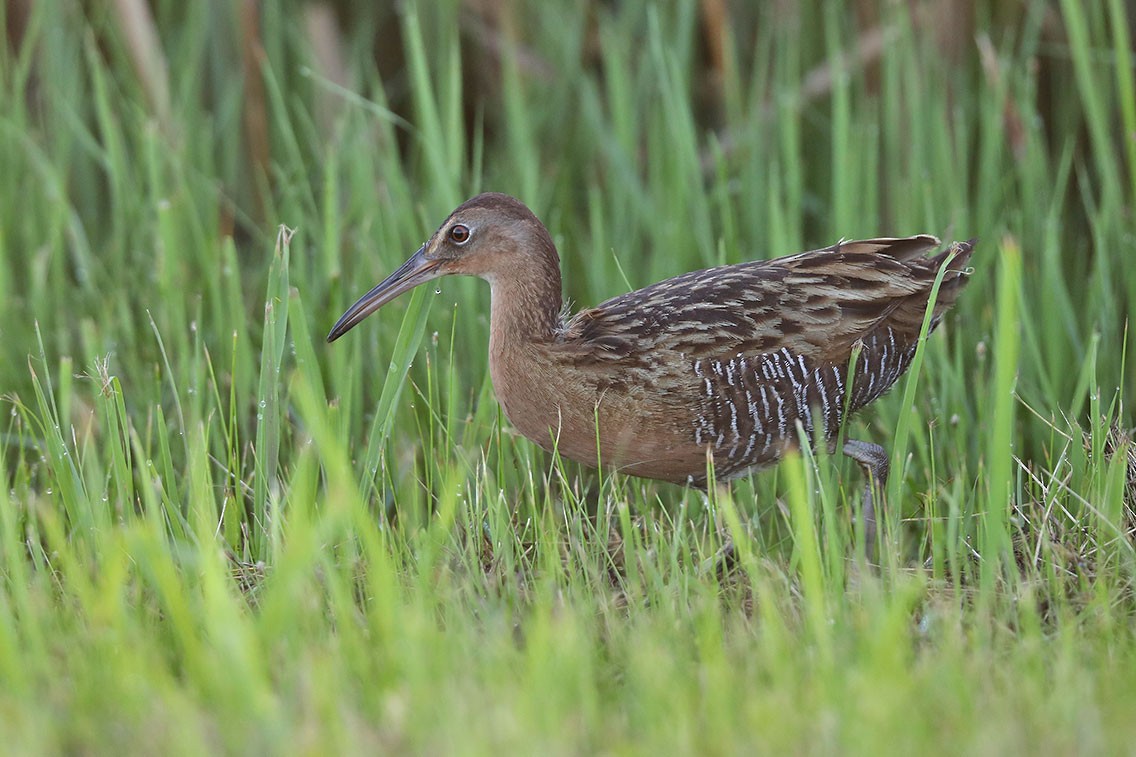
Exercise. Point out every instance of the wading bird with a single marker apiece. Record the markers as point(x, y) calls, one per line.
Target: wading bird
point(718, 365)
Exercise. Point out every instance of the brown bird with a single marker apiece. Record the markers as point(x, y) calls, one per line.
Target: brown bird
point(719, 364)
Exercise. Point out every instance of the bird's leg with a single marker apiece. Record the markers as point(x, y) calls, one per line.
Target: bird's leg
point(874, 460)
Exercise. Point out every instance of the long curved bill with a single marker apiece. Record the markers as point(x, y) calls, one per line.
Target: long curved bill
point(415, 271)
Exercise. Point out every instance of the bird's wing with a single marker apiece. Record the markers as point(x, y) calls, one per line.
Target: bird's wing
point(816, 303)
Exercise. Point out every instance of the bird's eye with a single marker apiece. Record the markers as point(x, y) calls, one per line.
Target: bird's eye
point(459, 234)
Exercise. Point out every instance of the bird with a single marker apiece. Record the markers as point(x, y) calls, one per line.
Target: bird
point(698, 378)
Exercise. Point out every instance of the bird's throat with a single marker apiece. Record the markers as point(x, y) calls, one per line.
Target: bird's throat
point(525, 308)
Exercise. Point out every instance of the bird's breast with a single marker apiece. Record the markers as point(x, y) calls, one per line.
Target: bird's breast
point(624, 416)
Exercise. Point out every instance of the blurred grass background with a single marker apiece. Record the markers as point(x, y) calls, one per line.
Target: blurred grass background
point(217, 532)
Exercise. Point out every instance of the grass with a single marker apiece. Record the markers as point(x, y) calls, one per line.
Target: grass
point(219, 533)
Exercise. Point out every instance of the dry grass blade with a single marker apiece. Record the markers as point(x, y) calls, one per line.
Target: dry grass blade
point(255, 100)
point(144, 47)
point(328, 45)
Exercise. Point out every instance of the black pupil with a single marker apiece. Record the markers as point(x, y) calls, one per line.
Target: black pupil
point(459, 233)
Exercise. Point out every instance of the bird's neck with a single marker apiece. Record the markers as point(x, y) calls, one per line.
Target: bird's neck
point(526, 302)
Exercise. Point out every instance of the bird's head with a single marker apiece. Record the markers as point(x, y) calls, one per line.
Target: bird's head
point(489, 235)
